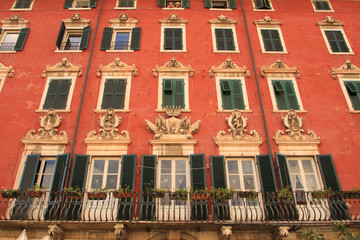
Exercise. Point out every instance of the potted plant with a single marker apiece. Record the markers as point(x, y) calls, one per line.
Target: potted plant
point(98, 194)
point(321, 194)
point(73, 192)
point(285, 194)
point(251, 195)
point(354, 193)
point(221, 194)
point(198, 195)
point(10, 193)
point(123, 192)
point(180, 194)
point(36, 191)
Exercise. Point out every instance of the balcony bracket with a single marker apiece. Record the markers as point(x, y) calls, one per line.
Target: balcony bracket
point(281, 233)
point(55, 232)
point(120, 232)
point(225, 233)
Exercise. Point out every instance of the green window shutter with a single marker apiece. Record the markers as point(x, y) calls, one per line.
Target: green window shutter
point(185, 4)
point(68, 3)
point(167, 38)
point(60, 35)
point(218, 174)
point(352, 89)
point(226, 89)
point(79, 171)
point(109, 89)
point(224, 39)
point(262, 4)
point(128, 169)
point(207, 3)
point(173, 39)
point(51, 94)
point(280, 95)
point(106, 39)
point(219, 35)
point(60, 172)
point(0, 30)
point(178, 99)
point(161, 3)
point(173, 92)
point(18, 3)
point(198, 172)
point(328, 172)
point(167, 93)
point(21, 39)
point(57, 94)
point(232, 4)
point(272, 41)
point(229, 40)
point(148, 172)
point(85, 38)
point(93, 3)
point(135, 39)
point(27, 3)
point(232, 95)
point(291, 96)
point(126, 3)
point(336, 41)
point(119, 94)
point(238, 95)
point(284, 174)
point(29, 173)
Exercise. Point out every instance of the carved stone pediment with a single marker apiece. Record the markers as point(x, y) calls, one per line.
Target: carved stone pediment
point(62, 67)
point(173, 66)
point(222, 20)
point(117, 66)
point(48, 131)
point(229, 67)
point(173, 18)
point(346, 70)
point(6, 71)
point(279, 68)
point(267, 21)
point(76, 21)
point(123, 21)
point(173, 127)
point(330, 21)
point(14, 21)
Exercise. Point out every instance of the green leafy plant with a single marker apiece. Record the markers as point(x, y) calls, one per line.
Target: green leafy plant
point(222, 194)
point(311, 234)
point(182, 194)
point(124, 189)
point(285, 193)
point(98, 193)
point(321, 194)
point(9, 193)
point(73, 191)
point(37, 188)
point(344, 232)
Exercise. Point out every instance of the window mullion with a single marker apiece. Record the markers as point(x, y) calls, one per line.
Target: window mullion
point(114, 92)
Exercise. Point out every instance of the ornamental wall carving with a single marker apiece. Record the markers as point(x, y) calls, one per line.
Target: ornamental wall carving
point(62, 68)
point(346, 70)
point(267, 21)
point(48, 131)
point(6, 70)
point(116, 67)
point(229, 67)
point(173, 18)
point(222, 20)
point(330, 21)
point(236, 142)
point(123, 21)
point(225, 233)
point(76, 21)
point(173, 66)
point(15, 21)
point(279, 68)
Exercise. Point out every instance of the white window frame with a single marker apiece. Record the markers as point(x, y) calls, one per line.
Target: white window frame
point(42, 161)
point(3, 36)
point(161, 78)
point(67, 33)
point(2, 81)
point(270, 78)
point(255, 172)
point(219, 77)
point(335, 28)
point(220, 9)
point(342, 81)
point(91, 171)
point(22, 9)
point(224, 26)
point(117, 30)
point(73, 7)
point(123, 8)
point(173, 25)
point(261, 40)
point(315, 10)
point(71, 91)
point(263, 10)
point(127, 78)
point(173, 159)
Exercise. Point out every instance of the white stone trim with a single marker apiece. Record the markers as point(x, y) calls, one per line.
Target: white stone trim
point(262, 10)
point(173, 75)
point(71, 91)
point(270, 78)
point(173, 25)
point(22, 9)
point(342, 81)
point(335, 28)
point(259, 27)
point(315, 10)
point(224, 26)
point(158, 170)
point(2, 81)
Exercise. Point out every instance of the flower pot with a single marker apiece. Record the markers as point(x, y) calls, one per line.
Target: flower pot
point(97, 196)
point(10, 195)
point(36, 194)
point(199, 197)
point(127, 195)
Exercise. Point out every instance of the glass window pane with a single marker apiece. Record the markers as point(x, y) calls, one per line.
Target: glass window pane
point(249, 182)
point(166, 166)
point(122, 41)
point(311, 182)
point(99, 166)
point(96, 181)
point(49, 167)
point(165, 182)
point(11, 37)
point(298, 182)
point(180, 182)
point(46, 181)
point(113, 166)
point(180, 166)
point(294, 166)
point(234, 181)
point(308, 168)
point(233, 167)
point(247, 167)
point(111, 181)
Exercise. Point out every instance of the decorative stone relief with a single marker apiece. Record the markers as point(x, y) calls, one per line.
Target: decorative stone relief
point(267, 21)
point(123, 17)
point(55, 232)
point(123, 21)
point(14, 21)
point(222, 20)
point(173, 66)
point(172, 126)
point(109, 123)
point(225, 233)
point(76, 21)
point(15, 17)
point(48, 131)
point(76, 17)
point(6, 71)
point(330, 21)
point(279, 68)
point(347, 69)
point(173, 18)
point(117, 66)
point(229, 67)
point(281, 233)
point(121, 232)
point(62, 67)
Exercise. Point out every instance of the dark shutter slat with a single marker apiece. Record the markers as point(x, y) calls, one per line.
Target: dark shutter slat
point(18, 3)
point(135, 39)
point(85, 38)
point(197, 171)
point(218, 176)
point(60, 36)
point(79, 171)
point(68, 3)
point(93, 3)
point(51, 95)
point(128, 167)
point(185, 4)
point(147, 183)
point(21, 39)
point(266, 173)
point(207, 3)
point(62, 94)
point(283, 170)
point(106, 39)
point(29, 173)
point(0, 30)
point(161, 3)
point(59, 173)
point(328, 172)
point(232, 4)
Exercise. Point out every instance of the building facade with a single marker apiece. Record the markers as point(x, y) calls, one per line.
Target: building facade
point(189, 119)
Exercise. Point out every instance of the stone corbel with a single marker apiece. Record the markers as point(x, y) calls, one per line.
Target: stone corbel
point(173, 66)
point(121, 233)
point(281, 233)
point(346, 70)
point(117, 66)
point(267, 21)
point(55, 232)
point(225, 233)
point(6, 71)
point(279, 68)
point(62, 67)
point(229, 67)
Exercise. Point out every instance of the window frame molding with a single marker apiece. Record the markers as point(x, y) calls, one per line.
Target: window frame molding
point(186, 158)
point(91, 170)
point(5, 71)
point(334, 25)
point(173, 22)
point(314, 7)
point(125, 8)
point(22, 9)
point(222, 22)
point(73, 8)
point(270, 24)
point(262, 10)
point(13, 24)
point(220, 9)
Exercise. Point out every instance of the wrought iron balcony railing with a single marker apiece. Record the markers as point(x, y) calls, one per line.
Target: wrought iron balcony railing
point(70, 45)
point(7, 46)
point(120, 45)
point(241, 207)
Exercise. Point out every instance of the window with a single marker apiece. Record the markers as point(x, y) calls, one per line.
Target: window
point(125, 4)
point(173, 34)
point(271, 40)
point(114, 94)
point(80, 4)
point(336, 41)
point(320, 5)
point(13, 40)
point(170, 4)
point(121, 39)
point(22, 5)
point(73, 39)
point(45, 172)
point(262, 4)
point(224, 39)
point(353, 94)
point(224, 35)
point(270, 36)
point(241, 174)
point(105, 173)
point(173, 93)
point(232, 94)
point(220, 4)
point(303, 174)
point(173, 39)
point(285, 95)
point(173, 174)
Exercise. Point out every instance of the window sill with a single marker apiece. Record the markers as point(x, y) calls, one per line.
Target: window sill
point(20, 9)
point(173, 51)
point(79, 9)
point(324, 10)
point(354, 111)
point(231, 110)
point(285, 111)
point(124, 8)
point(224, 51)
point(57, 110)
point(163, 110)
point(274, 52)
point(119, 50)
point(67, 51)
point(115, 110)
point(342, 53)
point(264, 10)
point(173, 9)
point(220, 9)
point(7, 51)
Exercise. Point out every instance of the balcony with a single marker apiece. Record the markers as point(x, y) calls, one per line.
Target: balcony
point(167, 207)
point(7, 46)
